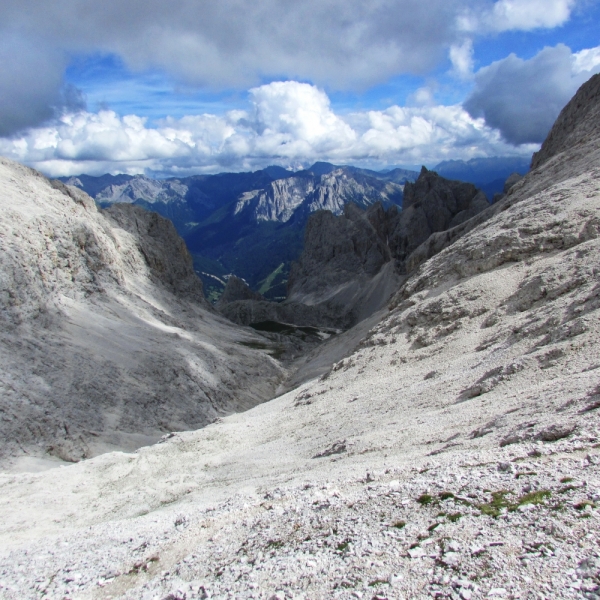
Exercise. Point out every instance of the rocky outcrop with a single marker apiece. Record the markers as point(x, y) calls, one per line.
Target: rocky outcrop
point(431, 204)
point(577, 124)
point(165, 252)
point(340, 277)
point(106, 341)
point(236, 289)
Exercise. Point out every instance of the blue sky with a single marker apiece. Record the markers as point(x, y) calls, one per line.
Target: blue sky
point(188, 87)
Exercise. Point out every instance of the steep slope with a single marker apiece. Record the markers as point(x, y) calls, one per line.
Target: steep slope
point(107, 341)
point(454, 454)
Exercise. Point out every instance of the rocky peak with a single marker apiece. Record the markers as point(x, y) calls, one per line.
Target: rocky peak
point(578, 123)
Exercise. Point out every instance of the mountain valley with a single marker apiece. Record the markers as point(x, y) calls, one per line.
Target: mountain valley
point(432, 428)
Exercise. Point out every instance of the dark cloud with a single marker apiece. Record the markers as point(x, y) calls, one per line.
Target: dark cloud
point(30, 84)
point(522, 98)
point(341, 44)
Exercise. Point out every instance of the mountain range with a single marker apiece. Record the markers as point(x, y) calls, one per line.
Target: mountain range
point(252, 224)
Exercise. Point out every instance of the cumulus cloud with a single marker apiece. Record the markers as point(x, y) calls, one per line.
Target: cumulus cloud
point(522, 98)
point(515, 15)
point(220, 45)
point(342, 44)
point(287, 123)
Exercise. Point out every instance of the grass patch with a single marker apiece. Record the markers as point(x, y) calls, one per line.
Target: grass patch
point(266, 284)
point(534, 497)
point(446, 495)
point(453, 517)
point(493, 508)
point(343, 546)
point(524, 473)
point(499, 502)
point(256, 345)
point(425, 499)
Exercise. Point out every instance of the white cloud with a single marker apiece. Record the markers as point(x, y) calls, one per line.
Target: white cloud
point(522, 98)
point(586, 60)
point(342, 44)
point(461, 57)
point(287, 123)
point(514, 15)
point(227, 44)
point(530, 14)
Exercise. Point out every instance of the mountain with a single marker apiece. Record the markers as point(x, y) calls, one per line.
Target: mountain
point(352, 262)
point(451, 451)
point(248, 224)
point(107, 341)
point(489, 174)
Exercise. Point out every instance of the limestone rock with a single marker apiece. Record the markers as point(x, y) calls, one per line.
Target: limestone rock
point(577, 124)
point(106, 340)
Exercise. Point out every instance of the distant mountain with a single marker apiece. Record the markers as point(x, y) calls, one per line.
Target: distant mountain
point(489, 174)
point(248, 224)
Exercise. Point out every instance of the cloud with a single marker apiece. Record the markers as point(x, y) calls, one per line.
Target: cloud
point(515, 15)
point(342, 44)
point(28, 95)
point(287, 123)
point(522, 98)
point(530, 14)
point(461, 57)
point(230, 44)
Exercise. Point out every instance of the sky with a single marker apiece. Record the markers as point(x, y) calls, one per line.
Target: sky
point(197, 86)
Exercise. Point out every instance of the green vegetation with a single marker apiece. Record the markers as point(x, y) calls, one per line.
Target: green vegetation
point(494, 507)
point(446, 495)
point(453, 517)
point(566, 480)
point(266, 284)
point(376, 582)
point(424, 499)
point(499, 502)
point(343, 546)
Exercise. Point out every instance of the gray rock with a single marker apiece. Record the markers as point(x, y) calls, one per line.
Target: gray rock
point(237, 289)
point(578, 123)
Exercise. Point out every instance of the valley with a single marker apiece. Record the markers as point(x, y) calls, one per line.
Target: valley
point(433, 423)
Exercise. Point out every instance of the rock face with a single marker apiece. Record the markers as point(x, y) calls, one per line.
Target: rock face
point(237, 289)
point(307, 193)
point(352, 263)
point(106, 340)
point(453, 454)
point(431, 204)
point(577, 124)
